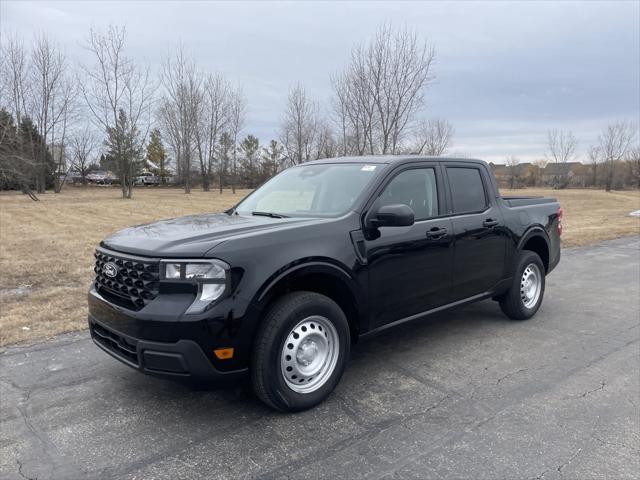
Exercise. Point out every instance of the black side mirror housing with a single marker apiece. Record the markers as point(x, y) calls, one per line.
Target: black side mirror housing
point(396, 215)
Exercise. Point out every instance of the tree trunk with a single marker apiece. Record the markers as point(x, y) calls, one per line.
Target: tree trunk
point(233, 178)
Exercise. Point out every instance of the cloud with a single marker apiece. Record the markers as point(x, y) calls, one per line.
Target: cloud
point(506, 72)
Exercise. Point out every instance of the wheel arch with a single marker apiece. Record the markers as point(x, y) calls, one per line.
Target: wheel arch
point(320, 276)
point(536, 240)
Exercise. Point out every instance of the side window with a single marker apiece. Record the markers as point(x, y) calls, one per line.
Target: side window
point(467, 190)
point(417, 189)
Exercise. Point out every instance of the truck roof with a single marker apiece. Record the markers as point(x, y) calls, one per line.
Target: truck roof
point(388, 159)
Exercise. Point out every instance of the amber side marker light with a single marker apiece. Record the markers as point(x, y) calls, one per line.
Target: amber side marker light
point(224, 353)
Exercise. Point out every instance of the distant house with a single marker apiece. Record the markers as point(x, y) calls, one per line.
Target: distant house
point(555, 175)
point(504, 174)
point(59, 154)
point(560, 175)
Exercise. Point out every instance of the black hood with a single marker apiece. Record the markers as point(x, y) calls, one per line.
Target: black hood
point(193, 235)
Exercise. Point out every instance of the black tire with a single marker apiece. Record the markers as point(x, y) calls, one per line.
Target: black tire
point(267, 376)
point(512, 303)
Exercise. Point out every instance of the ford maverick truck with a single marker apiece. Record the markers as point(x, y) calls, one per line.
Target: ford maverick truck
point(278, 287)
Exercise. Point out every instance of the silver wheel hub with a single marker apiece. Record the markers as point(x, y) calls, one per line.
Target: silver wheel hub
point(309, 354)
point(530, 285)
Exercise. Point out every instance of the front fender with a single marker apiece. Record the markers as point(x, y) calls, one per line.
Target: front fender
point(306, 267)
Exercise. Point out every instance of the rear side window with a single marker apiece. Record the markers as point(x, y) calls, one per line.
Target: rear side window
point(467, 189)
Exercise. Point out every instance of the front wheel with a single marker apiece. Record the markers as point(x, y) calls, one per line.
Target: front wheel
point(524, 298)
point(300, 351)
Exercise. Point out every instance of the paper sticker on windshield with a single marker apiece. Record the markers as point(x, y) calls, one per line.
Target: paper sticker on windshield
point(368, 168)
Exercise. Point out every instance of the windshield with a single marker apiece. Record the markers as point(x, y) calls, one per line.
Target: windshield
point(325, 190)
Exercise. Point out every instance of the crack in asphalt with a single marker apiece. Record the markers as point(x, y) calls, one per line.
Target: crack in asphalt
point(616, 444)
point(40, 443)
point(588, 392)
point(571, 459)
point(510, 374)
point(22, 474)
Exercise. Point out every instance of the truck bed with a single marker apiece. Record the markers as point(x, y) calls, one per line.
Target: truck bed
point(522, 201)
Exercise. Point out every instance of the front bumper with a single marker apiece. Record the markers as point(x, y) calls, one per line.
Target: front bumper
point(162, 348)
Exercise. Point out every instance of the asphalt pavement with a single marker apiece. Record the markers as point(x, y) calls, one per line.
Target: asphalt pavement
point(462, 394)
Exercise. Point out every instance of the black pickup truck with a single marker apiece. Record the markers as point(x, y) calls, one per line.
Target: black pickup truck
point(279, 286)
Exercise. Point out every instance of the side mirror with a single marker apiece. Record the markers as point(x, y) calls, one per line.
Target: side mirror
point(396, 215)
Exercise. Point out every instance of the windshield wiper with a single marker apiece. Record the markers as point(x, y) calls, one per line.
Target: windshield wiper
point(269, 214)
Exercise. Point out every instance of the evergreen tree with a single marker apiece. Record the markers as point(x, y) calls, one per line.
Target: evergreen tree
point(157, 155)
point(249, 148)
point(35, 159)
point(10, 173)
point(25, 160)
point(123, 146)
point(272, 158)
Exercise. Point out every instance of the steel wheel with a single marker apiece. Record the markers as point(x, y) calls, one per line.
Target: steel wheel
point(309, 354)
point(530, 285)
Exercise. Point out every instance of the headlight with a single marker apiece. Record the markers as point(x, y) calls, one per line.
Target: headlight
point(210, 276)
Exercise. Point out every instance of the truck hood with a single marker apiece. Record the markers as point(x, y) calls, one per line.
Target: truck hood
point(193, 235)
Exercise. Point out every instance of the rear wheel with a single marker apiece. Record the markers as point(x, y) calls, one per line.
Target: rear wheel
point(300, 352)
point(524, 298)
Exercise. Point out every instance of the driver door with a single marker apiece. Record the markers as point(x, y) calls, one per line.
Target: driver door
point(409, 268)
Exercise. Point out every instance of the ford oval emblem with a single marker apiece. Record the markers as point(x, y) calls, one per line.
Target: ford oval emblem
point(110, 270)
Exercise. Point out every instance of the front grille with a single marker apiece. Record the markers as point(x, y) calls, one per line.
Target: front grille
point(135, 284)
point(115, 343)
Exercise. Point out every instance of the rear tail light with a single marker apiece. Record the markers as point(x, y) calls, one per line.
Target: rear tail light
point(560, 213)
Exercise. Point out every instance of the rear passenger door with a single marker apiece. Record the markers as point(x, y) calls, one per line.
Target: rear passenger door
point(479, 238)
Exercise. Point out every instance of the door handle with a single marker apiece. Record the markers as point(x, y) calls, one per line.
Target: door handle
point(490, 222)
point(436, 233)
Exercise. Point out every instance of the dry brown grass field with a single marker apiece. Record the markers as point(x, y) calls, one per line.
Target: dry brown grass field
point(46, 247)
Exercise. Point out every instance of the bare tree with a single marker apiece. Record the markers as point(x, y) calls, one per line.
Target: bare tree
point(561, 146)
point(114, 84)
point(68, 106)
point(298, 127)
point(83, 144)
point(512, 164)
point(614, 143)
point(355, 109)
point(594, 155)
point(237, 110)
point(52, 94)
point(326, 145)
point(633, 160)
point(14, 69)
point(180, 107)
point(380, 92)
point(433, 137)
point(225, 145)
point(17, 161)
point(213, 120)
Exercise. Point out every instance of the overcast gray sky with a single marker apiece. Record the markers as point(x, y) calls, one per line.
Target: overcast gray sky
point(506, 71)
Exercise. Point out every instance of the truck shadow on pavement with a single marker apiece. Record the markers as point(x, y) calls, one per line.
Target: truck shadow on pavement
point(370, 356)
